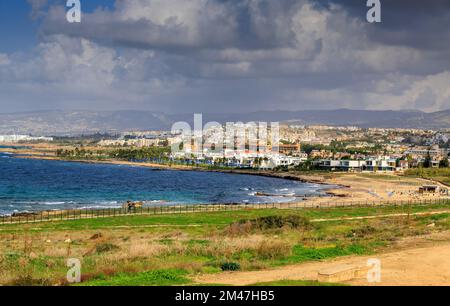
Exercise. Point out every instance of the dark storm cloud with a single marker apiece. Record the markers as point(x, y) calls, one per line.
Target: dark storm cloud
point(219, 24)
point(260, 25)
point(222, 55)
point(422, 24)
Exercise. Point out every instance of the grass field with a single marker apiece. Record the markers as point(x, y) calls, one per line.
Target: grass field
point(171, 249)
point(439, 174)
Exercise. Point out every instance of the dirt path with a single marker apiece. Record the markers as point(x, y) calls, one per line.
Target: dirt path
point(428, 264)
point(425, 213)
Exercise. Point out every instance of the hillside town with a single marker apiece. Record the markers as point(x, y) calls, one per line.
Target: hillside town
point(314, 147)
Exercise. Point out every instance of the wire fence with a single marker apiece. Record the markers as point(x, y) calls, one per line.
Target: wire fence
point(80, 214)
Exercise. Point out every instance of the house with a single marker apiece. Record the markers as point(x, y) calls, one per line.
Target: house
point(289, 149)
point(329, 164)
point(320, 154)
point(403, 165)
point(280, 160)
point(352, 165)
point(435, 163)
point(381, 164)
point(370, 164)
point(422, 152)
point(344, 165)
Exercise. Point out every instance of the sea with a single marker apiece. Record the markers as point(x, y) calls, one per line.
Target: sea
point(28, 185)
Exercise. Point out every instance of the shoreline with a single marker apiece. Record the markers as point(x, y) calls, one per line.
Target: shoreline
point(341, 187)
point(326, 192)
point(264, 173)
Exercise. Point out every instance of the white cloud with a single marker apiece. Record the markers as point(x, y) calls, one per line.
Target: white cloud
point(269, 38)
point(429, 93)
point(4, 59)
point(77, 73)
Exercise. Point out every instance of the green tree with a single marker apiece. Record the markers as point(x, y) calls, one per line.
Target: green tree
point(427, 161)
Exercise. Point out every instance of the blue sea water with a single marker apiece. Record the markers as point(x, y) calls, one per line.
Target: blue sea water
point(32, 185)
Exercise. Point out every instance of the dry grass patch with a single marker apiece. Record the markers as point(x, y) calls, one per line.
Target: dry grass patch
point(273, 249)
point(148, 249)
point(227, 246)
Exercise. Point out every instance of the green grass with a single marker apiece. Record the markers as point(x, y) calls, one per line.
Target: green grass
point(199, 243)
point(303, 254)
point(439, 174)
point(169, 277)
point(188, 222)
point(384, 177)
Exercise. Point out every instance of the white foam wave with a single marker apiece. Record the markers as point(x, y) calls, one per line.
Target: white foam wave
point(52, 203)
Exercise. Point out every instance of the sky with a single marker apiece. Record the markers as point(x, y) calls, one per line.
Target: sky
point(185, 56)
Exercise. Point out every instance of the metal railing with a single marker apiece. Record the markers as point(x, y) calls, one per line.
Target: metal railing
point(80, 214)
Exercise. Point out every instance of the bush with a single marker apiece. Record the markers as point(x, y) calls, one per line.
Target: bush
point(230, 266)
point(267, 223)
point(27, 281)
point(277, 222)
point(106, 247)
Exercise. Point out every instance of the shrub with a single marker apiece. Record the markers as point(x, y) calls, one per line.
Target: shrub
point(106, 247)
point(230, 266)
point(27, 281)
point(277, 222)
point(244, 227)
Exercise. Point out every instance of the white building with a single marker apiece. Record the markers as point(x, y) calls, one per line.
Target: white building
point(381, 164)
point(18, 138)
point(369, 164)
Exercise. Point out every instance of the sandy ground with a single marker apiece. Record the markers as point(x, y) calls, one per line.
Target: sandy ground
point(417, 262)
point(370, 188)
point(379, 187)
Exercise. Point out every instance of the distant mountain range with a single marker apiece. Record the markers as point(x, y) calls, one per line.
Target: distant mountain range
point(88, 122)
